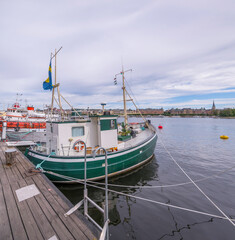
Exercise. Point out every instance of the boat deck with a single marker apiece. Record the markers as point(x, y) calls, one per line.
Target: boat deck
point(138, 139)
point(31, 207)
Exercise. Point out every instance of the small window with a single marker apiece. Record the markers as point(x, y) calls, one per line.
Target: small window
point(112, 124)
point(77, 131)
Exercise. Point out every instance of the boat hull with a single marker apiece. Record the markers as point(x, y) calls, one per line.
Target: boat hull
point(118, 162)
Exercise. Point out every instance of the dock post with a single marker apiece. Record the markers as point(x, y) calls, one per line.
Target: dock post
point(10, 155)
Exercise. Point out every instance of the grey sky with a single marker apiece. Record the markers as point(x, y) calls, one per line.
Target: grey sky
point(181, 52)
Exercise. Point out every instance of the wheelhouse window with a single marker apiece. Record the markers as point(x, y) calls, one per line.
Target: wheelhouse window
point(77, 131)
point(112, 124)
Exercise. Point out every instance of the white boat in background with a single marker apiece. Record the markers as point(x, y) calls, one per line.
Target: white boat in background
point(24, 124)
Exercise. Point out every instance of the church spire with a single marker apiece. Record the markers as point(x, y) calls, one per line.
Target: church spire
point(213, 106)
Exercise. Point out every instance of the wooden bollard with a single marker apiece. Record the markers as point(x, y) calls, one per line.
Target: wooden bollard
point(10, 155)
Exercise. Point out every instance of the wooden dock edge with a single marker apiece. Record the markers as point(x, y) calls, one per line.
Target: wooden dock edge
point(40, 216)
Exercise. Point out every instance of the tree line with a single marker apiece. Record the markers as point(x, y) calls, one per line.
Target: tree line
point(227, 112)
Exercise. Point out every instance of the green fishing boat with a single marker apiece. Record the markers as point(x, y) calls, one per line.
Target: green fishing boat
point(69, 142)
point(68, 159)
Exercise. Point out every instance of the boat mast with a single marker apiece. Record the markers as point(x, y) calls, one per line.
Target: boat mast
point(124, 97)
point(124, 93)
point(58, 90)
point(53, 91)
point(56, 85)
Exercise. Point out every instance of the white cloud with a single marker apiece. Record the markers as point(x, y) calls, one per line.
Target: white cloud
point(175, 48)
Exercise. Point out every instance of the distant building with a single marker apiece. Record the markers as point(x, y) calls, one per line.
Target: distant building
point(152, 111)
point(213, 106)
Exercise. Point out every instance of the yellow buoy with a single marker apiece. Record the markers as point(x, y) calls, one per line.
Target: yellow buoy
point(224, 137)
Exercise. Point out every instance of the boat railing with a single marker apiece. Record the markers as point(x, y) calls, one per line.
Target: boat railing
point(105, 229)
point(40, 148)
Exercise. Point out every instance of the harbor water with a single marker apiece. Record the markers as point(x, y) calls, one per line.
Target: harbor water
point(196, 145)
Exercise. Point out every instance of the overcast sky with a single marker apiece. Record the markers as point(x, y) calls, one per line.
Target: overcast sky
point(182, 52)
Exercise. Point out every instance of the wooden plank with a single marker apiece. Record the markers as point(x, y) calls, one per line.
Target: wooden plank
point(90, 230)
point(39, 217)
point(42, 222)
point(5, 230)
point(17, 228)
point(26, 215)
point(58, 203)
point(71, 225)
point(30, 224)
point(51, 215)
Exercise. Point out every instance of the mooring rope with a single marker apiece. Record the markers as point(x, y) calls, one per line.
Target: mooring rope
point(165, 186)
point(39, 165)
point(136, 197)
point(196, 184)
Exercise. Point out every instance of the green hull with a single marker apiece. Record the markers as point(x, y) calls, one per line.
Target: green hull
point(118, 162)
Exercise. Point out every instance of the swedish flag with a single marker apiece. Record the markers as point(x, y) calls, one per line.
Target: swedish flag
point(47, 85)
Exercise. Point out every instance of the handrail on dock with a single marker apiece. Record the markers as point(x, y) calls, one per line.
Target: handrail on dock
point(105, 229)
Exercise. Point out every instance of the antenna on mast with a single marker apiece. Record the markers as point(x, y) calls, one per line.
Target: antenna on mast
point(124, 92)
point(124, 96)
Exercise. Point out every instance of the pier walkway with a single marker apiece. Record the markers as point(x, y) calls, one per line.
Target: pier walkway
point(31, 207)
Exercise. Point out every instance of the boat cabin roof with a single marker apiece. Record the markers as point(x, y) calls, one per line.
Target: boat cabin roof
point(70, 121)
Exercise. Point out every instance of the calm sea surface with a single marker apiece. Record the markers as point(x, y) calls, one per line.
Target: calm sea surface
point(196, 145)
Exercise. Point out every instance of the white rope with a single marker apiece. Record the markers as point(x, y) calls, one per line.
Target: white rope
point(196, 185)
point(140, 198)
point(165, 186)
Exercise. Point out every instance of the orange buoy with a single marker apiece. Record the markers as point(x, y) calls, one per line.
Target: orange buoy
point(224, 137)
point(160, 126)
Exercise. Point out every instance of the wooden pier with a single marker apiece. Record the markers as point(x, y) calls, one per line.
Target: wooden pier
point(40, 216)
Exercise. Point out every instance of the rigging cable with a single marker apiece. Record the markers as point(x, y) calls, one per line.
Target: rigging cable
point(196, 185)
point(165, 186)
point(136, 197)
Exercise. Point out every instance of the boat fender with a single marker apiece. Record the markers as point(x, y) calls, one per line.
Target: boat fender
point(78, 146)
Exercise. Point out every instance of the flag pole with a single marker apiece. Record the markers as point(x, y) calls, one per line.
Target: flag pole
point(52, 99)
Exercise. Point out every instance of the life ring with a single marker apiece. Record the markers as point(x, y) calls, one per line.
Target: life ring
point(78, 146)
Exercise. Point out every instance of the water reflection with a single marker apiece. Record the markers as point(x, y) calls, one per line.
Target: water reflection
point(178, 230)
point(140, 177)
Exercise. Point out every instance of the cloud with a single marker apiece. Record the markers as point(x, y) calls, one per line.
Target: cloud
point(176, 49)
